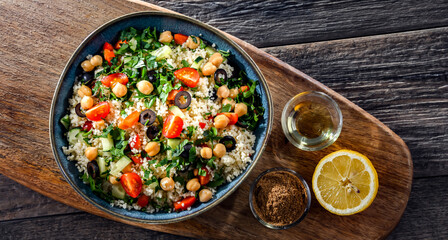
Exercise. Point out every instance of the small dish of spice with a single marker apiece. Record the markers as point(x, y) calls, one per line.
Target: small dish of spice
point(279, 198)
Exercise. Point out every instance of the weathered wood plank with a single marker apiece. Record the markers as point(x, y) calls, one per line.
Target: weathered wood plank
point(76, 226)
point(399, 78)
point(17, 202)
point(273, 23)
point(426, 216)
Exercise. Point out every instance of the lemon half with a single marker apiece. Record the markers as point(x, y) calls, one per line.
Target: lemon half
point(345, 182)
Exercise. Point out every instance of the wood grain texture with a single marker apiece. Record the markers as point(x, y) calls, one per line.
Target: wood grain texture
point(275, 23)
point(426, 216)
point(77, 226)
point(19, 202)
point(399, 78)
point(25, 109)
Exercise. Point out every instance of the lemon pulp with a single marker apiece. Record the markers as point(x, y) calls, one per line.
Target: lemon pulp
point(345, 182)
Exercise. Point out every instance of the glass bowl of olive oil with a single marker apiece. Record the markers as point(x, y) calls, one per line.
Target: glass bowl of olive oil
point(312, 121)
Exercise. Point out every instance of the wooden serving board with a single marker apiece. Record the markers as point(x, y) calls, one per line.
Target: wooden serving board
point(37, 41)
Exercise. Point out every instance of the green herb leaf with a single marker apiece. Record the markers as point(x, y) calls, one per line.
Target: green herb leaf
point(226, 108)
point(202, 172)
point(185, 63)
point(224, 53)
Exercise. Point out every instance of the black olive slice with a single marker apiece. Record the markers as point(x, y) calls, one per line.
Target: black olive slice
point(186, 152)
point(181, 104)
point(152, 132)
point(147, 117)
point(218, 76)
point(79, 111)
point(93, 169)
point(229, 142)
point(86, 77)
point(152, 76)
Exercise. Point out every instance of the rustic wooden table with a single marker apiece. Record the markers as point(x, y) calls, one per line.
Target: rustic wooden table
point(388, 57)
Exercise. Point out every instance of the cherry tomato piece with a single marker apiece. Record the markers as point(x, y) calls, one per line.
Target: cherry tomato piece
point(143, 200)
point(233, 117)
point(244, 88)
point(135, 142)
point(173, 94)
point(119, 43)
point(180, 38)
point(137, 159)
point(203, 180)
point(132, 184)
point(87, 126)
point(98, 112)
point(184, 204)
point(129, 121)
point(202, 125)
point(108, 46)
point(112, 79)
point(188, 76)
point(172, 126)
point(108, 55)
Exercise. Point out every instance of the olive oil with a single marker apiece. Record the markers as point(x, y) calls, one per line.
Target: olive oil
point(310, 123)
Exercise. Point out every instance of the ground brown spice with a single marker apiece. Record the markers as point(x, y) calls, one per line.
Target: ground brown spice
point(279, 198)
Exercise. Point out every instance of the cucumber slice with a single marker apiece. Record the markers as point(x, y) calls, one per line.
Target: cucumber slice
point(73, 135)
point(120, 165)
point(210, 51)
point(197, 65)
point(176, 111)
point(108, 143)
point(173, 143)
point(106, 155)
point(162, 53)
point(118, 191)
point(102, 166)
point(65, 121)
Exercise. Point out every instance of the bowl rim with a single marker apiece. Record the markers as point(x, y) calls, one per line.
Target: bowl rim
point(215, 31)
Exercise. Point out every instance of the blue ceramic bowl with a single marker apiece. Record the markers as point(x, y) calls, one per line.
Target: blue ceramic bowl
point(109, 32)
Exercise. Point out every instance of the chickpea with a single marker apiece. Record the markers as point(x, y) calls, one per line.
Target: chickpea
point(86, 102)
point(120, 90)
point(223, 92)
point(233, 93)
point(216, 59)
point(206, 153)
point(145, 87)
point(166, 37)
point(226, 101)
point(96, 60)
point(99, 124)
point(205, 195)
point(193, 185)
point(87, 66)
point(152, 148)
point(167, 184)
point(84, 91)
point(91, 153)
point(113, 179)
point(240, 109)
point(221, 121)
point(193, 43)
point(219, 150)
point(208, 69)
